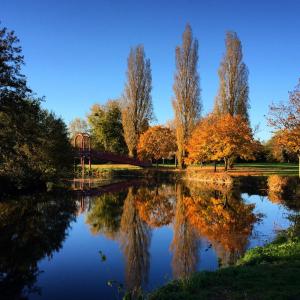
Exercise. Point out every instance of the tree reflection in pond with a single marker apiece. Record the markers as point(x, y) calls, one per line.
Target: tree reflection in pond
point(215, 212)
point(156, 205)
point(105, 214)
point(31, 228)
point(285, 190)
point(185, 239)
point(223, 218)
point(135, 236)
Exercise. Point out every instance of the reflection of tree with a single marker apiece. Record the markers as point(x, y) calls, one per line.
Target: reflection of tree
point(185, 241)
point(105, 214)
point(224, 219)
point(31, 228)
point(156, 206)
point(135, 238)
point(285, 190)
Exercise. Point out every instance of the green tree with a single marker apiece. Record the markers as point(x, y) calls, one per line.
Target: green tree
point(34, 145)
point(106, 127)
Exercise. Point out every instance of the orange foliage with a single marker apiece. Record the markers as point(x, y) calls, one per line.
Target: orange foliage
point(156, 207)
point(157, 142)
point(224, 219)
point(277, 185)
point(289, 139)
point(221, 138)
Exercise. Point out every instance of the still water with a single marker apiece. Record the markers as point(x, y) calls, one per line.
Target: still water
point(98, 243)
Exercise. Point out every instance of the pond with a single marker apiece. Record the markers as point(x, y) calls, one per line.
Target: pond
point(134, 235)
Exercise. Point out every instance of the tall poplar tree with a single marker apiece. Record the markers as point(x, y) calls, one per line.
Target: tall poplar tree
point(137, 109)
point(233, 95)
point(186, 103)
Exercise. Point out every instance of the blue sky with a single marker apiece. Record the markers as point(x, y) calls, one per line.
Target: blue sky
point(76, 51)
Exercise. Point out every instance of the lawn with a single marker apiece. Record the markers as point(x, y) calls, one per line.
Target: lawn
point(254, 168)
point(270, 272)
point(115, 167)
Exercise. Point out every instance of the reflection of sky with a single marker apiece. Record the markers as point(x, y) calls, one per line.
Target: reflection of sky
point(77, 271)
point(274, 218)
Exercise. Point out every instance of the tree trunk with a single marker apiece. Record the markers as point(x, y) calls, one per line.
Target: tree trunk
point(225, 164)
point(215, 170)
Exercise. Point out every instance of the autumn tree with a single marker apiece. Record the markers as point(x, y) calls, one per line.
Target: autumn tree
point(78, 125)
point(137, 110)
point(156, 143)
point(285, 118)
point(233, 95)
point(186, 103)
point(106, 127)
point(219, 138)
point(277, 151)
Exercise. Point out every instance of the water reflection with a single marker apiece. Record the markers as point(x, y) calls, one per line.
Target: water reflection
point(222, 217)
point(104, 216)
point(156, 204)
point(129, 215)
point(31, 227)
point(185, 239)
point(284, 190)
point(135, 236)
point(215, 212)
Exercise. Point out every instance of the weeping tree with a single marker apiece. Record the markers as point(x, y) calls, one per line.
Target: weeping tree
point(186, 103)
point(137, 110)
point(233, 95)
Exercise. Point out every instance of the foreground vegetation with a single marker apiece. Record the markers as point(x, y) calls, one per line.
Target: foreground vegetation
point(270, 272)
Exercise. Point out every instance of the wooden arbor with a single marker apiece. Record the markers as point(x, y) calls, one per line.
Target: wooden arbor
point(82, 145)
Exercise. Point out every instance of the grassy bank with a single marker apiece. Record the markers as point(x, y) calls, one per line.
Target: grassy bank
point(261, 168)
point(270, 272)
point(248, 169)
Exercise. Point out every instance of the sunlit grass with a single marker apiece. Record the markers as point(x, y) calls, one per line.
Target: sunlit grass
point(115, 167)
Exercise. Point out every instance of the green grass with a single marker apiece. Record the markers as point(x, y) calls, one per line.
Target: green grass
point(257, 168)
point(270, 272)
point(115, 167)
point(267, 165)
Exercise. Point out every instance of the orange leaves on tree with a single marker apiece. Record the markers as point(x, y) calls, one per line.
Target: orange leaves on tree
point(221, 138)
point(156, 143)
